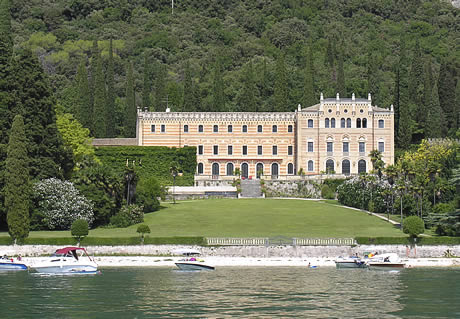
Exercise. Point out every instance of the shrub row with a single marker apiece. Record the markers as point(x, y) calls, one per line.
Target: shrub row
point(108, 241)
point(152, 161)
point(408, 241)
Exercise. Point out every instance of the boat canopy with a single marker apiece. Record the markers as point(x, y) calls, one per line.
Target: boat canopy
point(67, 249)
point(186, 252)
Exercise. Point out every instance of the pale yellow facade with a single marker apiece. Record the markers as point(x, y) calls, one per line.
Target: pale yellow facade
point(334, 136)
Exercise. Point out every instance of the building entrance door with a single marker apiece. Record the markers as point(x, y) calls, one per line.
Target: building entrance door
point(244, 170)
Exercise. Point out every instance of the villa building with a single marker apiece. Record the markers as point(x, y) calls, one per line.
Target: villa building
point(334, 136)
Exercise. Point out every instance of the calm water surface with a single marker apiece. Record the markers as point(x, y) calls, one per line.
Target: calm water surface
point(257, 292)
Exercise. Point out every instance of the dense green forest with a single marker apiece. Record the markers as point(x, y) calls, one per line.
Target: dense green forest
point(267, 55)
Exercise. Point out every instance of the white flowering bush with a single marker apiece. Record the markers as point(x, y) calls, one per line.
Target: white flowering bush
point(60, 203)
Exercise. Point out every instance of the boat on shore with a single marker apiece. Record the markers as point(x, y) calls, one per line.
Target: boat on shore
point(389, 261)
point(7, 263)
point(192, 262)
point(350, 262)
point(68, 260)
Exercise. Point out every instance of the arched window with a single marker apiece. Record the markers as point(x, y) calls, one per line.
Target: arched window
point(274, 128)
point(230, 169)
point(200, 168)
point(310, 166)
point(329, 166)
point(381, 124)
point(346, 167)
point(244, 170)
point(342, 123)
point(310, 123)
point(259, 169)
point(348, 123)
point(364, 123)
point(358, 123)
point(332, 122)
point(326, 123)
point(290, 169)
point(361, 166)
point(215, 169)
point(275, 170)
point(244, 128)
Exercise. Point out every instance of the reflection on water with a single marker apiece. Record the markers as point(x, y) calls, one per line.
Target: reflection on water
point(261, 292)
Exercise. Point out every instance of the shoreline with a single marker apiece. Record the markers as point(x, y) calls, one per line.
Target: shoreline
point(151, 261)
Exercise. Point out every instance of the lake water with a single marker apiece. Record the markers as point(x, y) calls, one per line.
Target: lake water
point(234, 292)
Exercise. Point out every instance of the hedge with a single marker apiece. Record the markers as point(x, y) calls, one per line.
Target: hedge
point(151, 161)
point(108, 241)
point(408, 241)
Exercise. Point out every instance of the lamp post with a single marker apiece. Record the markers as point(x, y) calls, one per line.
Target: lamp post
point(174, 174)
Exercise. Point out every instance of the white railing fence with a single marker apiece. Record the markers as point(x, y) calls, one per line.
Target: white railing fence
point(214, 241)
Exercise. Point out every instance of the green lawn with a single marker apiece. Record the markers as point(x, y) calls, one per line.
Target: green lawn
point(251, 218)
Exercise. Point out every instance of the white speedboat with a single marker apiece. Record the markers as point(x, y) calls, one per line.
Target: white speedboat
point(192, 262)
point(389, 261)
point(350, 262)
point(68, 260)
point(11, 264)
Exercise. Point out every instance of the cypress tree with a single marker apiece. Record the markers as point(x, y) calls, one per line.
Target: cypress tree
point(308, 98)
point(130, 110)
point(281, 90)
point(188, 104)
point(426, 103)
point(457, 103)
point(147, 85)
point(6, 40)
point(396, 95)
point(340, 88)
point(329, 61)
point(84, 109)
point(17, 182)
point(446, 90)
point(372, 82)
point(92, 81)
point(248, 101)
point(100, 100)
point(218, 94)
point(265, 90)
point(435, 115)
point(110, 105)
point(404, 133)
point(416, 77)
point(161, 94)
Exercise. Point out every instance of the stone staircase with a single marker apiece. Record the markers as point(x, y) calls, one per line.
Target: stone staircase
point(250, 188)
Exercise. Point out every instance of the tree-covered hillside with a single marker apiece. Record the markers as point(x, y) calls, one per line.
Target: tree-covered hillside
point(230, 55)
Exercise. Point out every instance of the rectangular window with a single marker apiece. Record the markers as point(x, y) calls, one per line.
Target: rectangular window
point(381, 147)
point(362, 147)
point(259, 150)
point(274, 128)
point(216, 149)
point(290, 150)
point(200, 128)
point(215, 128)
point(244, 128)
point(259, 128)
point(230, 150)
point(330, 147)
point(245, 150)
point(230, 129)
point(381, 124)
point(310, 147)
point(163, 128)
point(310, 123)
point(200, 149)
point(185, 128)
point(275, 150)
point(345, 147)
point(289, 128)
point(152, 128)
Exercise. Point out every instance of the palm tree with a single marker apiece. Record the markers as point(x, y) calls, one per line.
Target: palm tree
point(377, 163)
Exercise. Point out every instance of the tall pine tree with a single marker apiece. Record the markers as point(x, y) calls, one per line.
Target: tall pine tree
point(404, 133)
point(17, 188)
point(426, 103)
point(188, 104)
point(446, 90)
point(130, 110)
point(281, 85)
point(340, 88)
point(218, 94)
point(372, 78)
point(100, 100)
point(435, 116)
point(308, 98)
point(161, 94)
point(110, 104)
point(84, 110)
point(147, 85)
point(95, 56)
point(248, 101)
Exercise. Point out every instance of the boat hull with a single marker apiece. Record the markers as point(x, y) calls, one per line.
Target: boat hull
point(350, 264)
point(12, 266)
point(66, 269)
point(386, 265)
point(193, 266)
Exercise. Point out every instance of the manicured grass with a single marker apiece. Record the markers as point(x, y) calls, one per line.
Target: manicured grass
point(251, 218)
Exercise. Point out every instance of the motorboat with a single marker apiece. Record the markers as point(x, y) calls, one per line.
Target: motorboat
point(7, 263)
point(350, 262)
point(389, 261)
point(68, 260)
point(192, 262)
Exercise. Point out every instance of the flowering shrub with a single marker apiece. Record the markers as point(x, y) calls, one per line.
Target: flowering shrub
point(60, 203)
